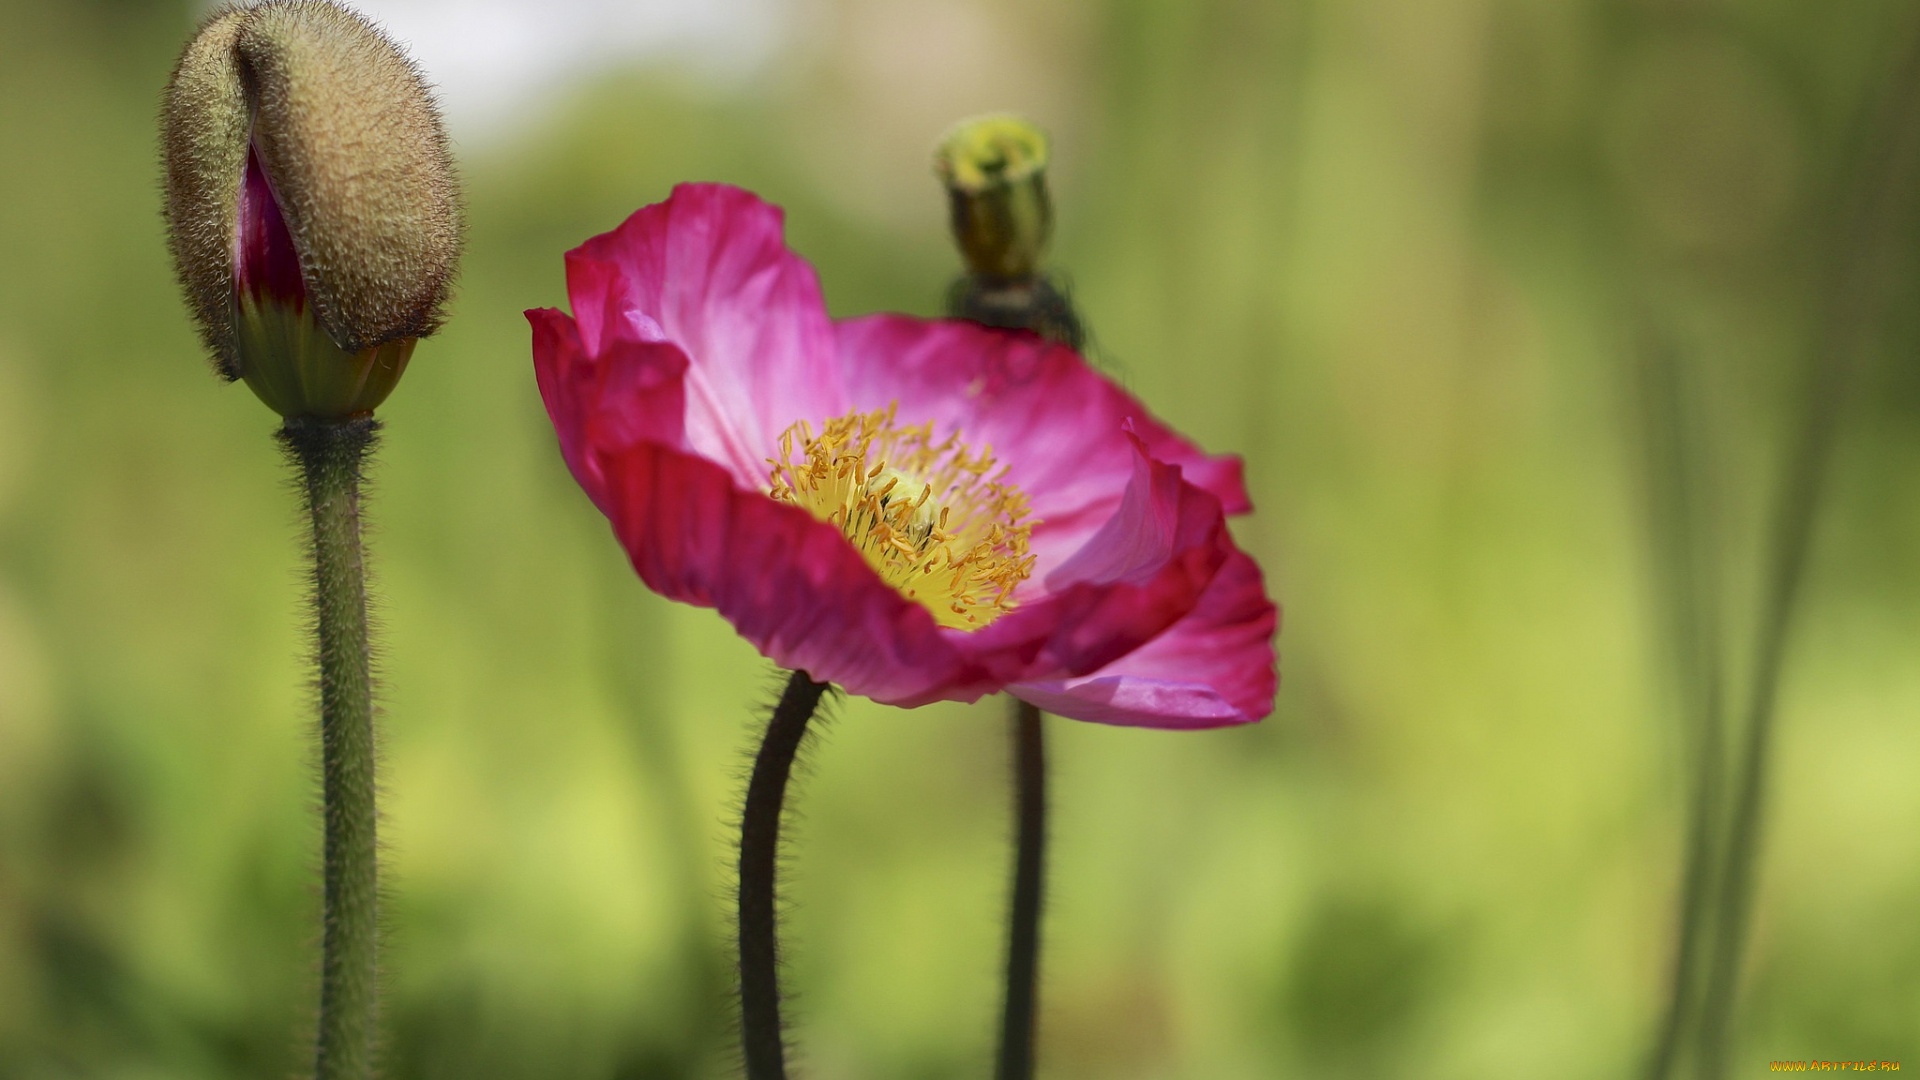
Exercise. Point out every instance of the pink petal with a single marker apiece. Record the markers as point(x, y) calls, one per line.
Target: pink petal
point(1143, 531)
point(788, 583)
point(697, 338)
point(631, 392)
point(1141, 572)
point(805, 598)
point(1213, 668)
point(709, 271)
point(265, 264)
point(1057, 422)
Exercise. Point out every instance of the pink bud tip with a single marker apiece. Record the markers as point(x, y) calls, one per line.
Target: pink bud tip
point(265, 264)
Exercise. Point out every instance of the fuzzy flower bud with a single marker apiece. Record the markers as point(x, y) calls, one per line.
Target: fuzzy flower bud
point(311, 208)
point(995, 171)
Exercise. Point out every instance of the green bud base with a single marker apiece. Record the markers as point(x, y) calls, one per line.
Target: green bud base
point(295, 368)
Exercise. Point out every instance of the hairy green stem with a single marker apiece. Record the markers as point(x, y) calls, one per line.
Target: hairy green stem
point(761, 1034)
point(329, 456)
point(1859, 286)
point(1029, 892)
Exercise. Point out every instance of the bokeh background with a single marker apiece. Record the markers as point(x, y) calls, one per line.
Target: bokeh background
point(1409, 257)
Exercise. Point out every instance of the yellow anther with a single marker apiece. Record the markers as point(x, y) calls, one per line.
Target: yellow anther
point(960, 525)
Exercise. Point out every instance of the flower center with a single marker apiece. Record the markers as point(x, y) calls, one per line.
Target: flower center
point(926, 515)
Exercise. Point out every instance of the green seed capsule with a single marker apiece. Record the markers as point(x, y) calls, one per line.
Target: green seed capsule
point(995, 171)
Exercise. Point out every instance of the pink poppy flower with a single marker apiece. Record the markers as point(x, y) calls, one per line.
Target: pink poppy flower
point(916, 511)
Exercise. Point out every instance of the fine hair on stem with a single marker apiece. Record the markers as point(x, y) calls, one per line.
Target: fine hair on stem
point(330, 456)
point(763, 1038)
point(1028, 900)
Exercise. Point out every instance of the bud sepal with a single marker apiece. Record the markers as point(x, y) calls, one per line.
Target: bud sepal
point(312, 207)
point(293, 366)
point(286, 357)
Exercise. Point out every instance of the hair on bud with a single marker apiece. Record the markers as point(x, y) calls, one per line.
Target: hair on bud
point(203, 132)
point(354, 156)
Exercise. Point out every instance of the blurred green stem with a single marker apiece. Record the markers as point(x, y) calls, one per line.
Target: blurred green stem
point(1681, 523)
point(1875, 223)
point(330, 456)
point(631, 625)
point(761, 1034)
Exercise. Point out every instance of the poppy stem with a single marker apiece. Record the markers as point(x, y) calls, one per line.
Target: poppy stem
point(1677, 476)
point(1029, 891)
point(762, 1037)
point(1030, 302)
point(1860, 282)
point(330, 455)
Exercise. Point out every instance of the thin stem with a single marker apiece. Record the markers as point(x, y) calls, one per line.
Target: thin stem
point(1027, 303)
point(1024, 303)
point(761, 1033)
point(1792, 539)
point(1688, 586)
point(630, 628)
point(329, 456)
point(1859, 293)
point(1029, 892)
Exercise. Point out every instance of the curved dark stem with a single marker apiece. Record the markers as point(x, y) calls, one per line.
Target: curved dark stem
point(760, 1030)
point(1029, 893)
point(1859, 284)
point(1028, 303)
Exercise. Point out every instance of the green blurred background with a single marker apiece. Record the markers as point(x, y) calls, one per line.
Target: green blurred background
point(1404, 255)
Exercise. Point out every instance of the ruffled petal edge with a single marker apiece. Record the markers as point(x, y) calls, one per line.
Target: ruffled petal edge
point(1213, 668)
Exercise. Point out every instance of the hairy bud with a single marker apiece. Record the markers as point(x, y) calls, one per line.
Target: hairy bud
point(995, 171)
point(311, 203)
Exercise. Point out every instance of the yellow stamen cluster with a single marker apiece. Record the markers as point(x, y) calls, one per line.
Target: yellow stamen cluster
point(931, 518)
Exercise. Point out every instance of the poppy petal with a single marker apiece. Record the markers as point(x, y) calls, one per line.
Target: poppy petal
point(1045, 411)
point(709, 271)
point(1213, 668)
